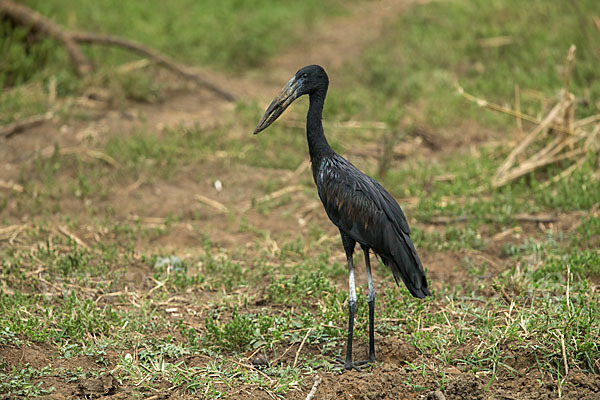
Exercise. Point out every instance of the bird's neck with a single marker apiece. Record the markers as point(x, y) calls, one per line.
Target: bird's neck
point(317, 143)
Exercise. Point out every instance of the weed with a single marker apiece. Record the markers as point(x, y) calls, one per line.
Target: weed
point(24, 382)
point(238, 333)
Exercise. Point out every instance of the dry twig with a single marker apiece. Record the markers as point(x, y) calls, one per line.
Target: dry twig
point(518, 110)
point(160, 59)
point(73, 237)
point(272, 196)
point(49, 151)
point(300, 169)
point(300, 348)
point(278, 193)
point(25, 123)
point(315, 386)
point(11, 232)
point(212, 203)
point(496, 107)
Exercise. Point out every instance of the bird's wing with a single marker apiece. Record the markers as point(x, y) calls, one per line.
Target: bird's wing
point(365, 211)
point(355, 202)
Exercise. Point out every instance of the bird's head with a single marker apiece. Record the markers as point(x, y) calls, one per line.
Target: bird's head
point(307, 80)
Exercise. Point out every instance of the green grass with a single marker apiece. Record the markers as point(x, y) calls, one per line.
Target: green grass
point(21, 382)
point(412, 70)
point(228, 35)
point(191, 325)
point(76, 324)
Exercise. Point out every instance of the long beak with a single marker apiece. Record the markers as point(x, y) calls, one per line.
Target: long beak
point(289, 93)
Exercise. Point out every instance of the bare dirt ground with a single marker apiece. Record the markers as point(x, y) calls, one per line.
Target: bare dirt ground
point(152, 201)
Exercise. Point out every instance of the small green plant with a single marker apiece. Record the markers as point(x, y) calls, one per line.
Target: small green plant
point(236, 334)
point(26, 382)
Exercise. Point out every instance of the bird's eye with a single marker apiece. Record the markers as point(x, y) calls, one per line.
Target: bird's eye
point(305, 75)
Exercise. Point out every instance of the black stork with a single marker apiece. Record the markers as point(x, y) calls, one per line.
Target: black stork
point(358, 205)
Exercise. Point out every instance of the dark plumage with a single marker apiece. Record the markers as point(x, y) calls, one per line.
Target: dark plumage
point(359, 206)
point(362, 209)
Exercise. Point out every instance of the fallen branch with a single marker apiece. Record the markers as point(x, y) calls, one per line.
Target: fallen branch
point(446, 220)
point(27, 17)
point(25, 123)
point(160, 59)
point(497, 41)
point(518, 110)
point(300, 169)
point(49, 151)
point(133, 66)
point(279, 193)
point(536, 218)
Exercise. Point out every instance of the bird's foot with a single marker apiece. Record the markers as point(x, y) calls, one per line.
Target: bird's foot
point(365, 362)
point(348, 365)
point(371, 360)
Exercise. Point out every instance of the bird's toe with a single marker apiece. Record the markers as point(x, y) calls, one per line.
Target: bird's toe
point(351, 366)
point(366, 362)
point(348, 365)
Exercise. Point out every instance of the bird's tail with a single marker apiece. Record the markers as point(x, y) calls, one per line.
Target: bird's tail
point(405, 264)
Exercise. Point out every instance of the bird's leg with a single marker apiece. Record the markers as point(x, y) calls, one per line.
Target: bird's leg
point(349, 244)
point(348, 364)
point(371, 303)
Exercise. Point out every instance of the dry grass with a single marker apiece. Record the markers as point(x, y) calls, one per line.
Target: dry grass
point(557, 137)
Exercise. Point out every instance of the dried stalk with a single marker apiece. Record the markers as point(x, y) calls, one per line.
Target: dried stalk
point(212, 203)
point(300, 348)
point(496, 107)
point(527, 167)
point(518, 110)
point(72, 236)
point(558, 135)
point(544, 218)
point(272, 196)
point(510, 160)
